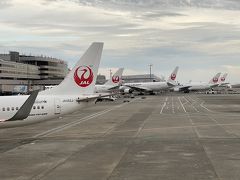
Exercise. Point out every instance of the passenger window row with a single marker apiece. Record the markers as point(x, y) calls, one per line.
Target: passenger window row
point(8, 108)
point(17, 108)
point(38, 107)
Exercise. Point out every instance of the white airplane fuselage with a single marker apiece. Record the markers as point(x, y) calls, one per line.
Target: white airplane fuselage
point(151, 86)
point(198, 86)
point(45, 106)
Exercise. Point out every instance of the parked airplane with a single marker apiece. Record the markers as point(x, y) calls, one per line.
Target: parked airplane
point(111, 84)
point(199, 86)
point(151, 87)
point(73, 93)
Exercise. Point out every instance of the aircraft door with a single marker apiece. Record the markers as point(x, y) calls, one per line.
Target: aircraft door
point(57, 104)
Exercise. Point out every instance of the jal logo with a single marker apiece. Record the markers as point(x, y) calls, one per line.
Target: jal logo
point(173, 77)
point(115, 79)
point(223, 79)
point(83, 76)
point(215, 80)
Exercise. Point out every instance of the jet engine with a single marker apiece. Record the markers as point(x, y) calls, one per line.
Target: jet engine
point(129, 91)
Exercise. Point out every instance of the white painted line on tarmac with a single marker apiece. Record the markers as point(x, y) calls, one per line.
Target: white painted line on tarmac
point(68, 125)
point(71, 124)
point(180, 127)
point(192, 104)
point(205, 107)
point(195, 108)
point(191, 98)
point(182, 105)
point(173, 107)
point(187, 101)
point(164, 104)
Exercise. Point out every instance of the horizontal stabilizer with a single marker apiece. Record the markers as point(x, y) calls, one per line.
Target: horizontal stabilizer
point(139, 89)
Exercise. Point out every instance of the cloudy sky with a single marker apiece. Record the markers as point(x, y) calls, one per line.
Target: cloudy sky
point(200, 36)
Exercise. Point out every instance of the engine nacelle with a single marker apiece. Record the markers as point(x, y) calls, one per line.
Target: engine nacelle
point(229, 86)
point(128, 91)
point(175, 89)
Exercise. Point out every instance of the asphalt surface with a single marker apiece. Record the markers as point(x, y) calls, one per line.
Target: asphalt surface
point(183, 137)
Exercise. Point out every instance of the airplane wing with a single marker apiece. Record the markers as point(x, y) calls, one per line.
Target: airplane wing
point(25, 109)
point(114, 88)
point(139, 88)
point(184, 88)
point(214, 85)
point(223, 84)
point(98, 96)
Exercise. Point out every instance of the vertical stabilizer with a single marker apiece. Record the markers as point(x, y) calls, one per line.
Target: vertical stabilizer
point(82, 78)
point(214, 80)
point(116, 79)
point(173, 76)
point(223, 78)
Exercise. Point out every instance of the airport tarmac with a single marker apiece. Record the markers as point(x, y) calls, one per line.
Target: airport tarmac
point(181, 136)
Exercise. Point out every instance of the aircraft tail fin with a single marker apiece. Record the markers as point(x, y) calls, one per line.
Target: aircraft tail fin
point(173, 76)
point(116, 78)
point(223, 78)
point(82, 78)
point(214, 80)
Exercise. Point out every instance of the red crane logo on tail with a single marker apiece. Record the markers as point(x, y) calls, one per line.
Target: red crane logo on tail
point(215, 80)
point(115, 79)
point(173, 76)
point(223, 79)
point(83, 76)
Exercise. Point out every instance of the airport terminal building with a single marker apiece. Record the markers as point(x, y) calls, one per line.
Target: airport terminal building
point(141, 78)
point(26, 73)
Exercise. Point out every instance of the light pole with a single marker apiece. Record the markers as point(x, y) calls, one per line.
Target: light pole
point(110, 73)
point(28, 82)
point(150, 66)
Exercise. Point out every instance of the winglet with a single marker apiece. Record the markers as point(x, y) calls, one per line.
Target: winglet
point(25, 109)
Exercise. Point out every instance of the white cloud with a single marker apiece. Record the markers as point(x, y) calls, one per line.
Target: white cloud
point(193, 34)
